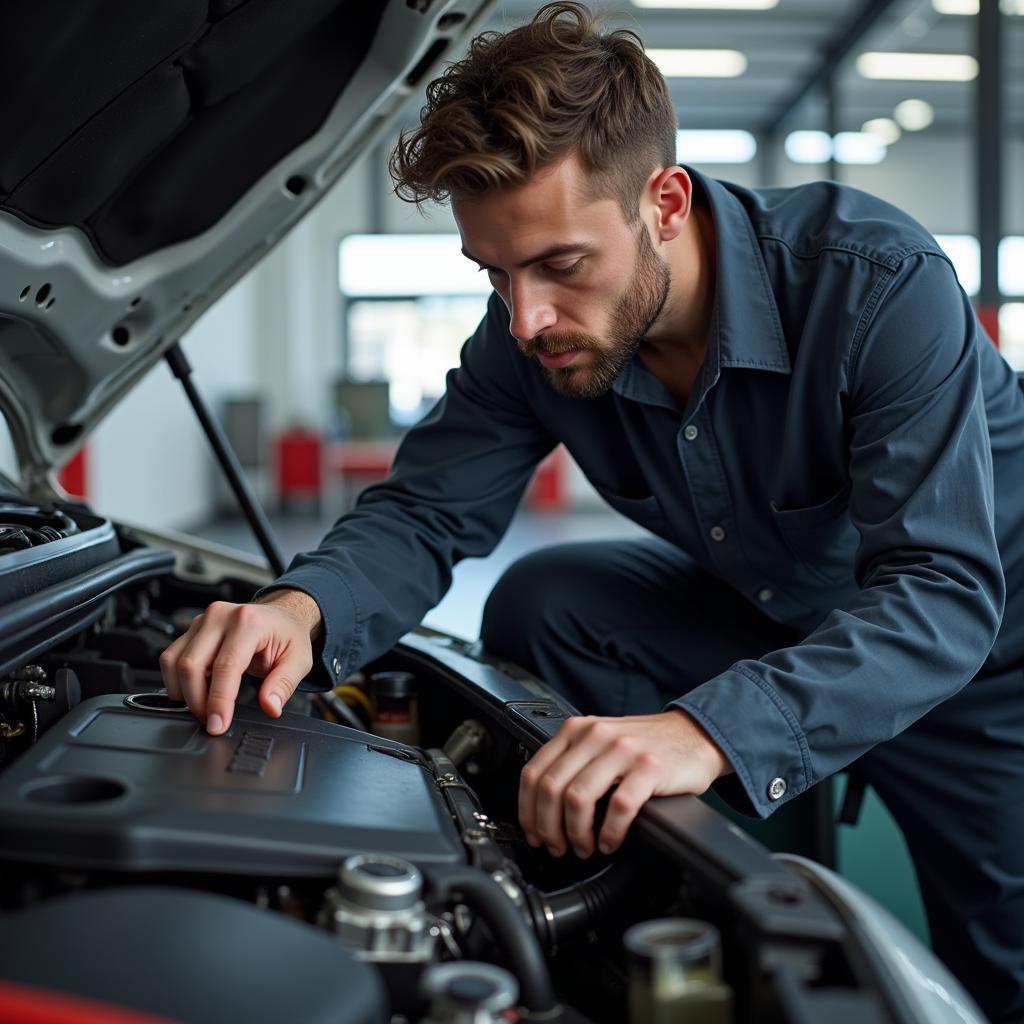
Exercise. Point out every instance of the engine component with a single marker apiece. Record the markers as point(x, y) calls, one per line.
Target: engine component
point(559, 915)
point(469, 993)
point(186, 956)
point(20, 697)
point(676, 972)
point(288, 797)
point(519, 945)
point(395, 714)
point(377, 910)
point(42, 545)
point(24, 526)
point(466, 741)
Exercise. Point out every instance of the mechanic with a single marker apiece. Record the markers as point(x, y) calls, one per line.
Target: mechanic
point(788, 388)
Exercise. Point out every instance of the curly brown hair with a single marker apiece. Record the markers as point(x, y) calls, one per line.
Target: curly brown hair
point(523, 99)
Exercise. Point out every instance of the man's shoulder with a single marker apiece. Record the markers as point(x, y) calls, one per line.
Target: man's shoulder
point(823, 217)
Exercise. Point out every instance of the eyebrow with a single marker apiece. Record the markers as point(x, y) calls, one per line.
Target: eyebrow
point(552, 252)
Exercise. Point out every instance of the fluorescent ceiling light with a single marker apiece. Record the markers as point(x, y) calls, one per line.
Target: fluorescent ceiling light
point(859, 148)
point(849, 148)
point(710, 5)
point(964, 252)
point(971, 6)
point(715, 147)
point(918, 67)
point(885, 128)
point(699, 63)
point(914, 115)
point(808, 147)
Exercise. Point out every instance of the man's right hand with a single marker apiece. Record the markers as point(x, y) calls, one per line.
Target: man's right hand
point(271, 638)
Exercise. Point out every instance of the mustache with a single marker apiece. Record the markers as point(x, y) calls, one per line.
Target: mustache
point(557, 344)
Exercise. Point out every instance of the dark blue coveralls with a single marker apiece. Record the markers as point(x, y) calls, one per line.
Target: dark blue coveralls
point(837, 527)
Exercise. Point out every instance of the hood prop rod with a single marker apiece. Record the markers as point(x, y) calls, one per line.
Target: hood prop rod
point(228, 460)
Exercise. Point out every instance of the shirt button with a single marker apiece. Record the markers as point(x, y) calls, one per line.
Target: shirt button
point(776, 789)
point(765, 595)
point(336, 665)
point(717, 533)
point(690, 433)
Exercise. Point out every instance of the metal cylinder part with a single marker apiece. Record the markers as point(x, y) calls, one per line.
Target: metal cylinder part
point(467, 992)
point(376, 909)
point(380, 883)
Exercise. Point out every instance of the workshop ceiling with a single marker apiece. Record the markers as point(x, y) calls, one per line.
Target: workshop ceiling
point(787, 45)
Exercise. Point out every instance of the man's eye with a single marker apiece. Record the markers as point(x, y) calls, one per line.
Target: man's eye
point(566, 270)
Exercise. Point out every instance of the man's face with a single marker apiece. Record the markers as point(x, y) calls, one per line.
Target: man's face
point(582, 285)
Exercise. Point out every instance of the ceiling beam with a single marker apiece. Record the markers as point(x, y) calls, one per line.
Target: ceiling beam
point(835, 53)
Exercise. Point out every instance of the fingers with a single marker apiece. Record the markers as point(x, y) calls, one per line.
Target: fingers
point(562, 802)
point(533, 772)
point(204, 667)
point(282, 680)
point(620, 762)
point(633, 792)
point(169, 658)
point(185, 673)
point(237, 646)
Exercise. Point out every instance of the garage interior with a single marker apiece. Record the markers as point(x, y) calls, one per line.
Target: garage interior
point(318, 360)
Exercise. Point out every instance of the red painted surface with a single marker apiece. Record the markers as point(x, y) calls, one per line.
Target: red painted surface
point(366, 458)
point(74, 475)
point(548, 491)
point(371, 460)
point(20, 1004)
point(989, 317)
point(298, 464)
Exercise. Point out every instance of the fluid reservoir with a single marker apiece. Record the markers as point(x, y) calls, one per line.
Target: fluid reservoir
point(394, 699)
point(675, 973)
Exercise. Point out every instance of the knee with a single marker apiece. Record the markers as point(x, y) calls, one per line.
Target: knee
point(510, 611)
point(530, 600)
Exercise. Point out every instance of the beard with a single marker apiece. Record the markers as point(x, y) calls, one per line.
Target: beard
point(635, 312)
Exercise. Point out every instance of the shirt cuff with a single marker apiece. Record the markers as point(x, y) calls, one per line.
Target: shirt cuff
point(758, 734)
point(338, 647)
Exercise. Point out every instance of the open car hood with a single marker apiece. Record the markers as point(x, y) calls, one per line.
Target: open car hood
point(152, 154)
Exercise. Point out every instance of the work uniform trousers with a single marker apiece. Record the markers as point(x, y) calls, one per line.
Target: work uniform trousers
point(622, 627)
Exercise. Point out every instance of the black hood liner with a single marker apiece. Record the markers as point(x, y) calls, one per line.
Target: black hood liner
point(143, 123)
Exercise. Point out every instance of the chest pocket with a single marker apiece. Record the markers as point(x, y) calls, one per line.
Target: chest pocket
point(821, 536)
point(646, 511)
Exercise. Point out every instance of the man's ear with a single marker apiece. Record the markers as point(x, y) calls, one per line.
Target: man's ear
point(669, 192)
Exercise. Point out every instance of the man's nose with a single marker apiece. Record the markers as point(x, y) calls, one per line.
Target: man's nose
point(530, 311)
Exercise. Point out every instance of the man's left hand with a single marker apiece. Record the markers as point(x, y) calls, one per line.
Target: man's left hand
point(646, 755)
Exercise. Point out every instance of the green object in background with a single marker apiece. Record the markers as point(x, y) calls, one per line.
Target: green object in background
point(873, 855)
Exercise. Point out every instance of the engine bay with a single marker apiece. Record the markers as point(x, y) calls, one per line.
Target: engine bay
point(358, 859)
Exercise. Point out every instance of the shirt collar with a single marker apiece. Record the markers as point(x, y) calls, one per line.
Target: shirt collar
point(745, 327)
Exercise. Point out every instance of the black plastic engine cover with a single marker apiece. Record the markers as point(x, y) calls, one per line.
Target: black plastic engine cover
point(187, 956)
point(113, 787)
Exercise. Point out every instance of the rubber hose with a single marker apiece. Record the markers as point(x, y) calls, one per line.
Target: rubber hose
point(566, 912)
point(513, 934)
